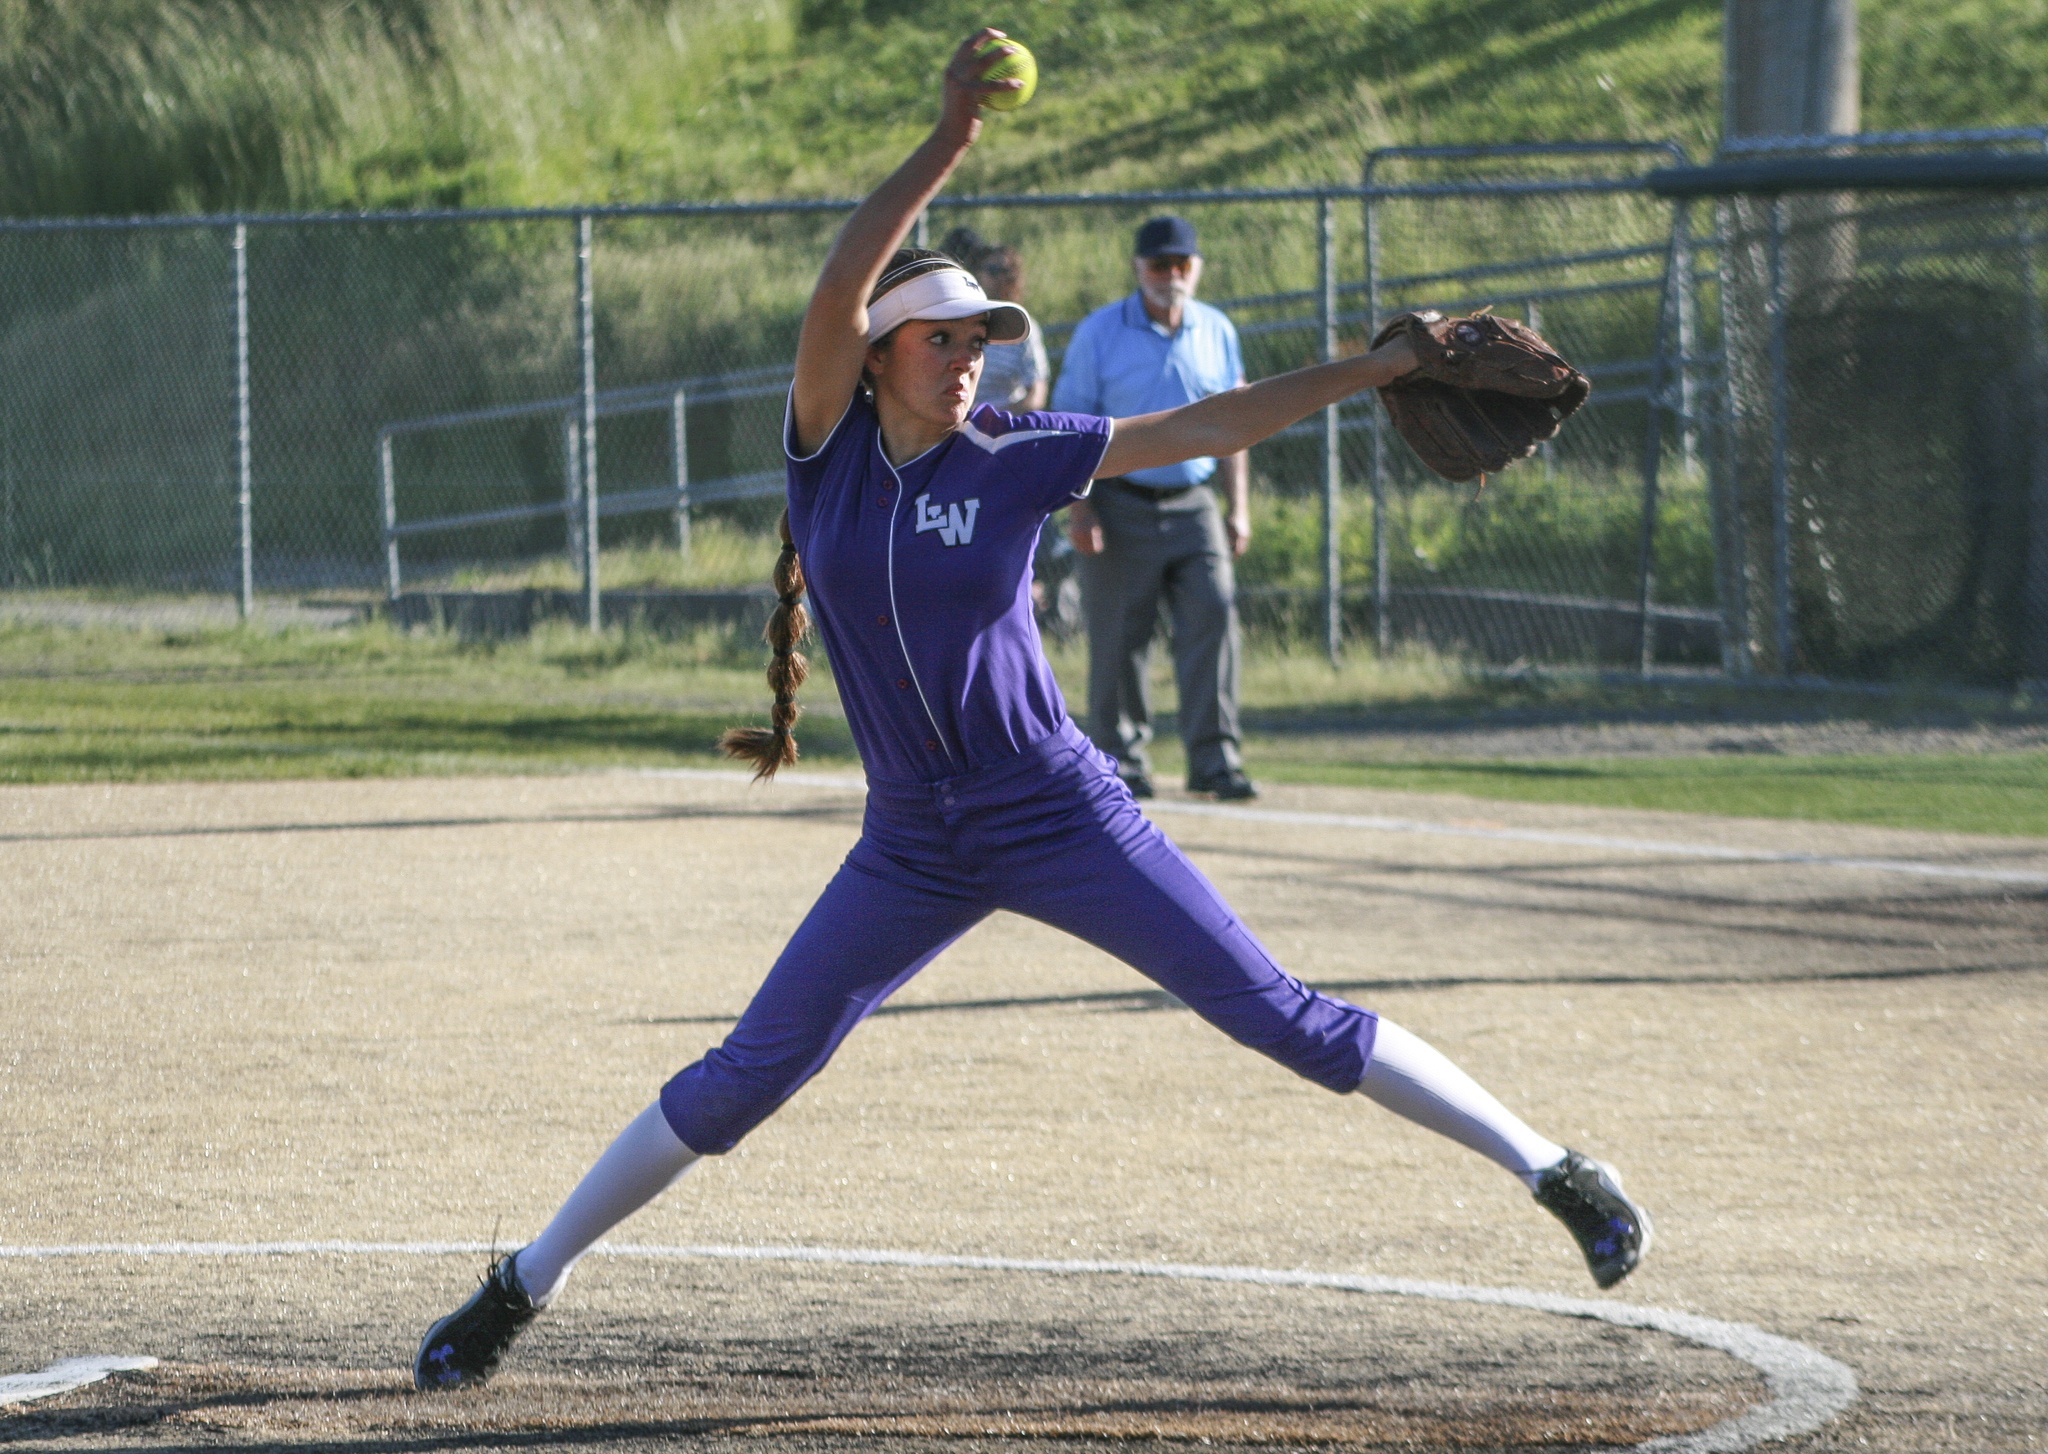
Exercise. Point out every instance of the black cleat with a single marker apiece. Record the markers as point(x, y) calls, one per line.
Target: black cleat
point(1139, 784)
point(466, 1347)
point(1586, 1196)
point(1228, 786)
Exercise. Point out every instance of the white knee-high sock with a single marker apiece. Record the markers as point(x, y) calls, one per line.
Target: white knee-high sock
point(1412, 1078)
point(643, 1163)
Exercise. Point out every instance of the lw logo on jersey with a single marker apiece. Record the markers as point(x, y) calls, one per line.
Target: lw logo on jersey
point(955, 523)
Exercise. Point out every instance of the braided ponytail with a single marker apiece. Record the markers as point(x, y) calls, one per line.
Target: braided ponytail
point(773, 747)
point(769, 748)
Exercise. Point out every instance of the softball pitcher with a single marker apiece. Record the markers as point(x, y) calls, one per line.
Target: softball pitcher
point(911, 522)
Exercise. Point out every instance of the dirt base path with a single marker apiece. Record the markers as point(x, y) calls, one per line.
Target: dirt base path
point(414, 1011)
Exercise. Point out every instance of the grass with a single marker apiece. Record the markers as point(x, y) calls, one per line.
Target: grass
point(722, 557)
point(119, 106)
point(2002, 792)
point(1298, 710)
point(115, 704)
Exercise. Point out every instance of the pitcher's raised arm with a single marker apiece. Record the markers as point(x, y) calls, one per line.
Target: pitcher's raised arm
point(833, 347)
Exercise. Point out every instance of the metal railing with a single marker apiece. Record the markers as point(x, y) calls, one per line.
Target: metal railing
point(1981, 136)
point(676, 498)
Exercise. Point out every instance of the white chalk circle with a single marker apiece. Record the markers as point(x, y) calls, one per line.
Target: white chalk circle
point(20, 1388)
point(1807, 1388)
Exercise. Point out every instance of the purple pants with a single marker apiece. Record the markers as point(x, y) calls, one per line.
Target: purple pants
point(1053, 835)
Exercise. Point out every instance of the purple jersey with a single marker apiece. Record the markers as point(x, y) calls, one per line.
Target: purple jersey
point(920, 578)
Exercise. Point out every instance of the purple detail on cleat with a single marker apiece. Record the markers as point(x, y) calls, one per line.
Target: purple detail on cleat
point(467, 1345)
point(1611, 1230)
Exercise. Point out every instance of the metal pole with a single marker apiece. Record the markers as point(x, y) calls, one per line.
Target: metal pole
point(388, 478)
point(9, 569)
point(1688, 428)
point(679, 440)
point(242, 491)
point(586, 340)
point(1333, 463)
point(572, 487)
point(1532, 310)
point(1733, 534)
point(921, 234)
point(1781, 465)
point(1382, 594)
point(2033, 652)
point(1653, 455)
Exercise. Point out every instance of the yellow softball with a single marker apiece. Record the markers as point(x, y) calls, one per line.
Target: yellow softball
point(1018, 65)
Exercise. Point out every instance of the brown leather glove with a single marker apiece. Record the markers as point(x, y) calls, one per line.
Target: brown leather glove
point(1485, 392)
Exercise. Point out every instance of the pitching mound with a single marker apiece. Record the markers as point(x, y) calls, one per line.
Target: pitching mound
point(811, 1357)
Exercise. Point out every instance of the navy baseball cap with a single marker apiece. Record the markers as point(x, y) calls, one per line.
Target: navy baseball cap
point(1167, 235)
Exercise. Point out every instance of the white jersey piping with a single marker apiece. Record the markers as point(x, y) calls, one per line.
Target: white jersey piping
point(1108, 438)
point(896, 611)
point(789, 426)
point(991, 443)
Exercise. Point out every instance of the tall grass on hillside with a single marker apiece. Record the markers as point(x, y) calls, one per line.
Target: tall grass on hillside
point(112, 107)
point(144, 106)
point(120, 106)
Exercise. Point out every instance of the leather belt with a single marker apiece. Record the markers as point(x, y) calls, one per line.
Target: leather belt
point(1149, 492)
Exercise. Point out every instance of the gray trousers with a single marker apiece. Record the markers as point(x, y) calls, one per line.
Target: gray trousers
point(1172, 551)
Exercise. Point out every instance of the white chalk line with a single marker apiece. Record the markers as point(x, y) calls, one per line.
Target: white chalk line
point(1662, 848)
point(1807, 1387)
point(21, 1388)
point(1659, 847)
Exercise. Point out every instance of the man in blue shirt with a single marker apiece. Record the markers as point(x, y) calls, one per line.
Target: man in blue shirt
point(1158, 533)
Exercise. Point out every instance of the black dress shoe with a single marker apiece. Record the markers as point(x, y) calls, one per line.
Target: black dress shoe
point(1231, 786)
point(1138, 783)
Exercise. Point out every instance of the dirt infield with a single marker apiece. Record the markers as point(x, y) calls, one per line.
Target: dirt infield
point(414, 1011)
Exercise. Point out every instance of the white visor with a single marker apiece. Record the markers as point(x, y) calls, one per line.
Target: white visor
point(941, 295)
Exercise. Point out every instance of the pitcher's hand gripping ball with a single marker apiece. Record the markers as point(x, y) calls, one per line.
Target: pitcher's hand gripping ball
point(1018, 65)
point(1484, 393)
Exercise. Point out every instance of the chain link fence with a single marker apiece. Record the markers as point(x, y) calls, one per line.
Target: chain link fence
point(1774, 476)
point(1881, 496)
point(1556, 559)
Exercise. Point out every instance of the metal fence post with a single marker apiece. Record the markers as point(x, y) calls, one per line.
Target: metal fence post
point(1653, 454)
point(8, 566)
point(242, 491)
point(1732, 533)
point(679, 441)
point(1681, 246)
point(2033, 652)
point(572, 486)
point(1781, 464)
point(1532, 314)
point(387, 477)
point(1382, 594)
point(1333, 480)
point(586, 341)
